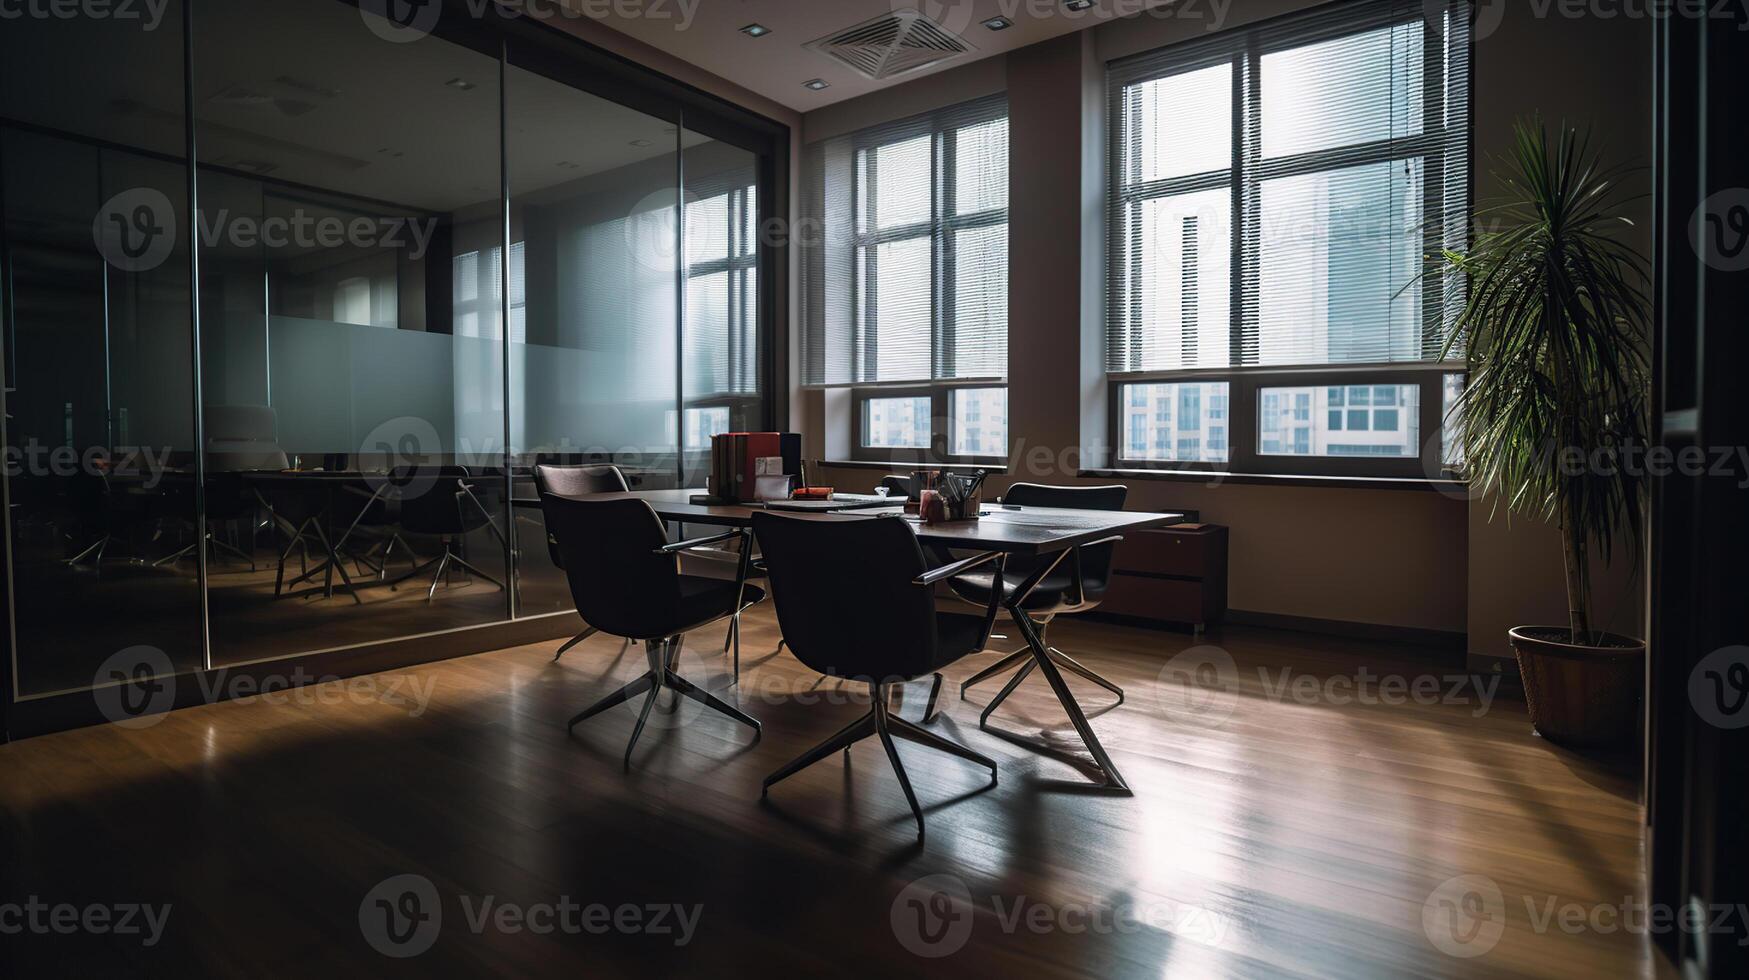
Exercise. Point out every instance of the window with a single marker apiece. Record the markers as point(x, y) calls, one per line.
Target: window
point(905, 269)
point(979, 417)
point(895, 423)
point(476, 294)
point(1152, 433)
point(1370, 421)
point(722, 290)
point(1275, 194)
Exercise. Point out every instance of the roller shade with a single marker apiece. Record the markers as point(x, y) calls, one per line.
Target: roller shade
point(1275, 194)
point(904, 244)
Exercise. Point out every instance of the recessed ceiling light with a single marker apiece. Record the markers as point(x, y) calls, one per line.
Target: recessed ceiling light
point(461, 83)
point(568, 165)
point(641, 143)
point(816, 84)
point(998, 23)
point(1077, 5)
point(755, 30)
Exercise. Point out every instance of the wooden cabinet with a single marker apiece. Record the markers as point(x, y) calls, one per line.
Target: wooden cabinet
point(1175, 575)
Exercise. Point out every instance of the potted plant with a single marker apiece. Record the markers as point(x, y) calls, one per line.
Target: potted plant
point(1555, 328)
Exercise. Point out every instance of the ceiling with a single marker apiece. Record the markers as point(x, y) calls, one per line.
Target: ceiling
point(707, 33)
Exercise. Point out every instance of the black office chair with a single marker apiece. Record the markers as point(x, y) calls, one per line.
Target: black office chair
point(856, 600)
point(101, 513)
point(448, 508)
point(625, 579)
point(1076, 585)
point(575, 481)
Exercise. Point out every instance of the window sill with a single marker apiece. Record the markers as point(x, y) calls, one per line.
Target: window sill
point(894, 467)
point(1216, 478)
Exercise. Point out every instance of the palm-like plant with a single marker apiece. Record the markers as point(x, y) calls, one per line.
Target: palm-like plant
point(1556, 327)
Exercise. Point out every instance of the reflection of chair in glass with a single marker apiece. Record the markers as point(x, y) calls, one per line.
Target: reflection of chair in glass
point(625, 578)
point(367, 511)
point(856, 600)
point(101, 512)
point(440, 502)
point(576, 481)
point(228, 500)
point(1077, 588)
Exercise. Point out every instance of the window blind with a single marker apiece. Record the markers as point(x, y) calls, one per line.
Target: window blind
point(905, 250)
point(1281, 195)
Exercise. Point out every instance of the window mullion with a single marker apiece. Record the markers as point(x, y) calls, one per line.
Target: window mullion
point(1247, 103)
point(942, 259)
point(1433, 189)
point(869, 349)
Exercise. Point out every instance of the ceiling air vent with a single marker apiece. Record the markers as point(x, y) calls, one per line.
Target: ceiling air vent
point(893, 44)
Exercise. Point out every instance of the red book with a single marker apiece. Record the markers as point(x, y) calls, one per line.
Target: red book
point(753, 445)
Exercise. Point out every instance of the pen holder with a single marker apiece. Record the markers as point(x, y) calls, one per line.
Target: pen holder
point(935, 507)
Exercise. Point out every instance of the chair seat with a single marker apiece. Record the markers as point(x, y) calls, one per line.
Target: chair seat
point(704, 600)
point(1052, 595)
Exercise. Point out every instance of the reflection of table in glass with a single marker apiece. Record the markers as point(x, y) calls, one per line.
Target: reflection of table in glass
point(302, 502)
point(1048, 532)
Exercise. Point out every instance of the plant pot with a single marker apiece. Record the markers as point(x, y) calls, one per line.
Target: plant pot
point(1580, 695)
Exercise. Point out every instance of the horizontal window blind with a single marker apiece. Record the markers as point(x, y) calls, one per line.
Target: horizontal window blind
point(1281, 196)
point(904, 244)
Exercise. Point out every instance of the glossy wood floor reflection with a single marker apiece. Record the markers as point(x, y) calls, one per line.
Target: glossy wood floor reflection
point(1273, 831)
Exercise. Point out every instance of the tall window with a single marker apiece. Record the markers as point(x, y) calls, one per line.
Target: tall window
point(1280, 198)
point(905, 278)
point(722, 304)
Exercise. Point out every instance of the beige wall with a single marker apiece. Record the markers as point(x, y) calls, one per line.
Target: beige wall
point(1586, 72)
point(1408, 558)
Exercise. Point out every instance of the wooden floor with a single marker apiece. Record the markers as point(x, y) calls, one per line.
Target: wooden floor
point(1287, 838)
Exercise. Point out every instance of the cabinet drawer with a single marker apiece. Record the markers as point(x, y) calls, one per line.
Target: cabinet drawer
point(1169, 600)
point(1165, 553)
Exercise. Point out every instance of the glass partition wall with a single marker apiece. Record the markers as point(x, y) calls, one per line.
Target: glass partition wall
point(300, 415)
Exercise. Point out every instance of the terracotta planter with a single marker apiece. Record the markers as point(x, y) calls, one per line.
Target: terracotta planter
point(1581, 696)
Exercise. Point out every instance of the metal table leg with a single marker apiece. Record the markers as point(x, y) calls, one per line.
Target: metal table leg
point(1042, 659)
point(1041, 656)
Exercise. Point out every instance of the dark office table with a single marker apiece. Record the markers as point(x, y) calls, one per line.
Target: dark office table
point(1031, 532)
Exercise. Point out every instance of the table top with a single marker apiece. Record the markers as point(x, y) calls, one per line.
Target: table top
point(1024, 530)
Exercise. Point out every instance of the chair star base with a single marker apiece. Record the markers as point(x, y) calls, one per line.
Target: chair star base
point(883, 723)
point(662, 655)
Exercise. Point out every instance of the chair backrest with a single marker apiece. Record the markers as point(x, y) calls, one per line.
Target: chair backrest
point(575, 481)
point(844, 598)
point(242, 437)
point(620, 584)
point(578, 481)
point(1095, 560)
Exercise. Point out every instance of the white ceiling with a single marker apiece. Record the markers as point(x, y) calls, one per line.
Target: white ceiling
point(777, 64)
